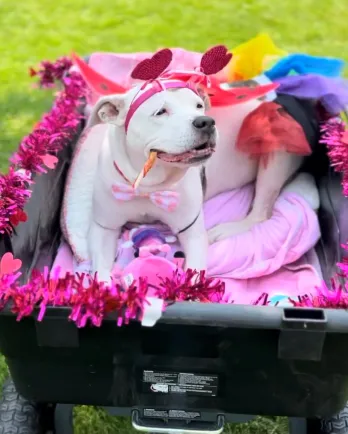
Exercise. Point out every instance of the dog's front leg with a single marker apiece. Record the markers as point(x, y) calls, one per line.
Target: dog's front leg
point(194, 242)
point(102, 245)
point(272, 175)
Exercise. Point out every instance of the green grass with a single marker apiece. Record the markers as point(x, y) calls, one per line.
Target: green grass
point(98, 422)
point(32, 30)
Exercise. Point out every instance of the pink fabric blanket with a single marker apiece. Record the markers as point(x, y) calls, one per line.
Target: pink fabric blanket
point(276, 257)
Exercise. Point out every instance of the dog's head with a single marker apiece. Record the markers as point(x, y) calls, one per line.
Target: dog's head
point(171, 121)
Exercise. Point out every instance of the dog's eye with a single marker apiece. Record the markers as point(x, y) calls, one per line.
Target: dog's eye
point(161, 112)
point(199, 105)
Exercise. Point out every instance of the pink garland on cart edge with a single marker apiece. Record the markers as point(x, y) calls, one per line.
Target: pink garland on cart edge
point(89, 300)
point(335, 136)
point(38, 150)
point(92, 301)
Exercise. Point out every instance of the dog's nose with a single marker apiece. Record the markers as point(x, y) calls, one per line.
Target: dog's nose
point(205, 124)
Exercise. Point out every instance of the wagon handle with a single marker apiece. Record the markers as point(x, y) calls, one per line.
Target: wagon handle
point(139, 424)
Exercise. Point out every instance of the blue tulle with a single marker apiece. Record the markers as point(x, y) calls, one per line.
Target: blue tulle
point(305, 64)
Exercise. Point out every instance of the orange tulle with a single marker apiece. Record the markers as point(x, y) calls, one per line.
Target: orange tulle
point(270, 128)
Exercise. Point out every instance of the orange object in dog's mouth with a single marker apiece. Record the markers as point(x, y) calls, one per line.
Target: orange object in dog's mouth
point(194, 155)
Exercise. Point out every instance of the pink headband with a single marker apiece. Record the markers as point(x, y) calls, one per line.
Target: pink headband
point(156, 87)
point(153, 72)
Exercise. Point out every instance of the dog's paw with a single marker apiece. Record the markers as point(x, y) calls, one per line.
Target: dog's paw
point(83, 267)
point(218, 232)
point(104, 276)
point(230, 229)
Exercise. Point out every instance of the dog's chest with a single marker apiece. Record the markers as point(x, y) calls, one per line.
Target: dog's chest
point(114, 212)
point(176, 206)
point(140, 211)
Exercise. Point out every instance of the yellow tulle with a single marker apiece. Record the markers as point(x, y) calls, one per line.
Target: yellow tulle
point(253, 57)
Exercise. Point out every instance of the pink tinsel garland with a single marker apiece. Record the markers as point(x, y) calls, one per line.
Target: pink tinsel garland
point(335, 297)
point(335, 136)
point(88, 299)
point(49, 136)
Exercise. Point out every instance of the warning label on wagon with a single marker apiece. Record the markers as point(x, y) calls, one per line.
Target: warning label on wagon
point(180, 383)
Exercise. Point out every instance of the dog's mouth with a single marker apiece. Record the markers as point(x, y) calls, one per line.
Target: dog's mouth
point(195, 155)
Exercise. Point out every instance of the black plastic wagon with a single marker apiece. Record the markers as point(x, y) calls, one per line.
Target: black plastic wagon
point(229, 361)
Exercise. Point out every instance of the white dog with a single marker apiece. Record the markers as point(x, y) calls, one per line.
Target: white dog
point(173, 123)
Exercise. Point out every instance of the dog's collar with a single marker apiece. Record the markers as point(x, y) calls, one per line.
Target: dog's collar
point(128, 182)
point(190, 225)
point(121, 173)
point(156, 86)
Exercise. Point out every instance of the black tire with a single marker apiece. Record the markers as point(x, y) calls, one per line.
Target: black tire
point(17, 415)
point(338, 424)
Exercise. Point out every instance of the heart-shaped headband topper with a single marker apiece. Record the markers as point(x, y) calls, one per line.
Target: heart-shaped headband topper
point(213, 61)
point(152, 71)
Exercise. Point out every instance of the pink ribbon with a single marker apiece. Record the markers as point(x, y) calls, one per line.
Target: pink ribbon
point(167, 200)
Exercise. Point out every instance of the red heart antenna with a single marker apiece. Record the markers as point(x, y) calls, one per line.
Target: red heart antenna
point(150, 69)
point(215, 59)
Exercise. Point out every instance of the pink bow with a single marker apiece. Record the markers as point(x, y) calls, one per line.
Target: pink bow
point(167, 200)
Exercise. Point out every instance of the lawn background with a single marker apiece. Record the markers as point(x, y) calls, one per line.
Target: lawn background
point(33, 30)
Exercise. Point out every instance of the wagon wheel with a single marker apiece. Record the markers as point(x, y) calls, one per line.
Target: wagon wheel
point(338, 424)
point(20, 416)
point(17, 415)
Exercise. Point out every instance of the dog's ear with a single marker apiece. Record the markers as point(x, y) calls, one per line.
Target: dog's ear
point(108, 109)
